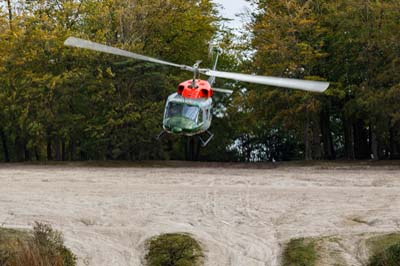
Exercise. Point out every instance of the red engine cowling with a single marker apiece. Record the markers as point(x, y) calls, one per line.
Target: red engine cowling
point(202, 89)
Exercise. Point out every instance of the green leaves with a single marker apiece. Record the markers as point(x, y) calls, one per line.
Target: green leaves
point(67, 103)
point(348, 43)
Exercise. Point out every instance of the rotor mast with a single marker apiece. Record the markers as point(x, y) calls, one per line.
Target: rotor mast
point(217, 51)
point(196, 73)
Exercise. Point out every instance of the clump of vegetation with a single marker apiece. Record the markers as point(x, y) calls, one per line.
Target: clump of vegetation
point(300, 252)
point(388, 257)
point(174, 250)
point(42, 247)
point(385, 250)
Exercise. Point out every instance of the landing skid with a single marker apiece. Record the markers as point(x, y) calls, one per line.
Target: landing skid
point(209, 138)
point(162, 133)
point(193, 144)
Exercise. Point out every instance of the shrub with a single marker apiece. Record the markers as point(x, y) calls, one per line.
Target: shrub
point(174, 250)
point(299, 252)
point(44, 247)
point(388, 257)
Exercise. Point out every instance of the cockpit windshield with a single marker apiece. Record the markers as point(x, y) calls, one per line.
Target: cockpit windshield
point(183, 110)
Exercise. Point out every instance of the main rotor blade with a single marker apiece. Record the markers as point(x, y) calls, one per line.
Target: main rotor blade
point(80, 43)
point(306, 85)
point(223, 91)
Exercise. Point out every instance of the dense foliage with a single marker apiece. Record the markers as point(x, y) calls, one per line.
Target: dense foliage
point(174, 250)
point(59, 103)
point(354, 45)
point(389, 257)
point(384, 250)
point(67, 104)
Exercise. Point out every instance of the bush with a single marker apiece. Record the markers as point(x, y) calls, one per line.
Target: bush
point(388, 257)
point(174, 250)
point(299, 252)
point(44, 247)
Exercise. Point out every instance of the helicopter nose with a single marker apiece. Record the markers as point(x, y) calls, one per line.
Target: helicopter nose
point(176, 130)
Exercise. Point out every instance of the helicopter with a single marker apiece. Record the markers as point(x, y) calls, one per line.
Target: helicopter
point(188, 111)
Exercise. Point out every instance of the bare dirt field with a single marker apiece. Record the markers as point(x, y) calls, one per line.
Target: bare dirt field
point(242, 214)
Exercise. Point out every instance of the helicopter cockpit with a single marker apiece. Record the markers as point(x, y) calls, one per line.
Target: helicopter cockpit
point(184, 110)
point(187, 116)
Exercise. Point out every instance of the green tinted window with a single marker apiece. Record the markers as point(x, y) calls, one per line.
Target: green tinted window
point(184, 110)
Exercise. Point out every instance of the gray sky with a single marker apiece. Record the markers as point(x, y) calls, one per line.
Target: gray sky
point(232, 7)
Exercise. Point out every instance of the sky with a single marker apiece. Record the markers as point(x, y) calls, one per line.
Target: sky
point(232, 7)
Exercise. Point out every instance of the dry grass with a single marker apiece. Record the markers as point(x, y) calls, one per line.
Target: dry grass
point(42, 247)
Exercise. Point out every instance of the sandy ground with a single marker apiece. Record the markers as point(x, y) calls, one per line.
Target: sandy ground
point(241, 215)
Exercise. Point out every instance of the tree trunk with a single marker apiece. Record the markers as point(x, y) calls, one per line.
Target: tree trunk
point(49, 150)
point(316, 142)
point(5, 147)
point(63, 150)
point(348, 139)
point(307, 146)
point(37, 156)
point(27, 154)
point(72, 149)
point(329, 150)
point(192, 148)
point(19, 147)
point(361, 144)
point(57, 149)
point(10, 16)
point(82, 153)
point(374, 143)
point(394, 151)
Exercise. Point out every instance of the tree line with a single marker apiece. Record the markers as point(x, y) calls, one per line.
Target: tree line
point(59, 103)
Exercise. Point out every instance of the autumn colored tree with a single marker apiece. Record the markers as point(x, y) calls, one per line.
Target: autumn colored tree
point(349, 43)
point(60, 103)
point(67, 104)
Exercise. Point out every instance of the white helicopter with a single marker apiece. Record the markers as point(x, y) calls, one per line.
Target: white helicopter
point(188, 111)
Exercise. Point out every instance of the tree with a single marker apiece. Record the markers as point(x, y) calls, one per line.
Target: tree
point(66, 104)
point(351, 44)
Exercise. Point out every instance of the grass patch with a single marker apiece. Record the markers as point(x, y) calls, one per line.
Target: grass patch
point(174, 250)
point(300, 252)
point(378, 244)
point(385, 250)
point(41, 247)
